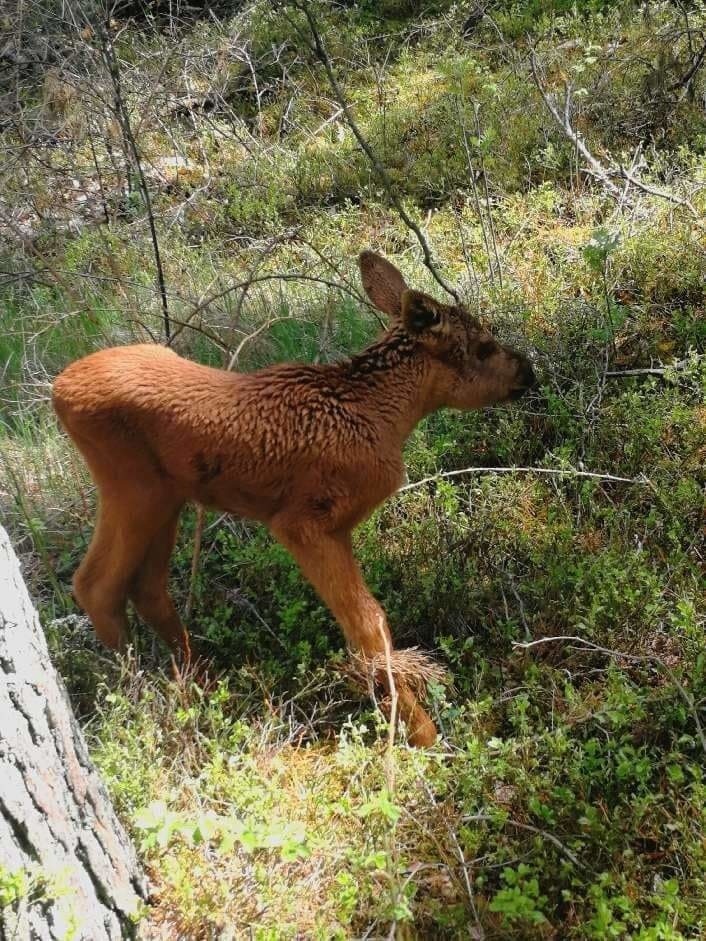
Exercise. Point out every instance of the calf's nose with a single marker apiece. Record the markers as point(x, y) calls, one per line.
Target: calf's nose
point(527, 375)
point(525, 378)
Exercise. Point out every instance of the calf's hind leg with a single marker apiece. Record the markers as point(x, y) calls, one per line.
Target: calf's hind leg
point(103, 603)
point(328, 563)
point(120, 541)
point(125, 533)
point(148, 591)
point(134, 509)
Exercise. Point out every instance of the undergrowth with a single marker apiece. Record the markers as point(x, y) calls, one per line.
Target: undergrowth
point(560, 581)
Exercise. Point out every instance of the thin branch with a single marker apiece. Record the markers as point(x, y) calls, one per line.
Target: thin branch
point(197, 328)
point(662, 194)
point(574, 136)
point(28, 244)
point(121, 113)
point(653, 370)
point(252, 336)
point(320, 51)
point(394, 699)
point(392, 847)
point(552, 471)
point(195, 558)
point(294, 276)
point(586, 644)
point(480, 933)
point(545, 834)
point(594, 167)
point(633, 658)
point(474, 190)
point(464, 865)
point(484, 175)
point(687, 79)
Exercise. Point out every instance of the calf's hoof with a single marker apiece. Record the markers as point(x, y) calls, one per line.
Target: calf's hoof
point(421, 731)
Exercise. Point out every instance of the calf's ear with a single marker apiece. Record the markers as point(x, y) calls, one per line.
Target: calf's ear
point(383, 283)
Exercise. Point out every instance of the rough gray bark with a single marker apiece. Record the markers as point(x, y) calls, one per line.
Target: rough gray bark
point(56, 820)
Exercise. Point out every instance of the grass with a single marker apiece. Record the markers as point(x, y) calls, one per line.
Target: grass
point(565, 798)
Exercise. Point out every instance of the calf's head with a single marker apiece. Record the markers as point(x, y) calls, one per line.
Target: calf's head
point(470, 368)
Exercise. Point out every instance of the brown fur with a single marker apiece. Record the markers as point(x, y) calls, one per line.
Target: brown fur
point(308, 450)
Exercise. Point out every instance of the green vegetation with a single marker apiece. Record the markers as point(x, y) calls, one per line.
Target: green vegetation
point(566, 797)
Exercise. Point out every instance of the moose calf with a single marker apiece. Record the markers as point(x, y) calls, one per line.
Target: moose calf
point(309, 450)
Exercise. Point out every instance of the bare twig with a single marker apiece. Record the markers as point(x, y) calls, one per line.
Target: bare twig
point(250, 337)
point(685, 81)
point(654, 370)
point(465, 866)
point(484, 175)
point(392, 686)
point(562, 119)
point(195, 558)
point(648, 371)
point(47, 266)
point(552, 471)
point(662, 194)
point(480, 933)
point(476, 195)
point(292, 276)
point(123, 117)
point(392, 845)
point(320, 51)
point(545, 834)
point(594, 167)
point(632, 658)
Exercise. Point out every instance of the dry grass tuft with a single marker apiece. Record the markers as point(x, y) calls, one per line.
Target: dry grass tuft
point(411, 667)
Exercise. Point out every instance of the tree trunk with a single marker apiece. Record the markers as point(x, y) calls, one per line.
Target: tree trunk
point(67, 868)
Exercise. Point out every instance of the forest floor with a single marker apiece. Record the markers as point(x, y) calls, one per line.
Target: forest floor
point(553, 155)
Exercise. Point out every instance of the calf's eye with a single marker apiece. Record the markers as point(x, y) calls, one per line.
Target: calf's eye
point(485, 349)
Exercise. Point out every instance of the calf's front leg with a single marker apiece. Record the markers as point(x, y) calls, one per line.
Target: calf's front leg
point(327, 561)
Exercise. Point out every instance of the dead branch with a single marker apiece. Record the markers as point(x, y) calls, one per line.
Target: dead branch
point(195, 560)
point(552, 471)
point(250, 337)
point(632, 658)
point(662, 194)
point(47, 266)
point(545, 834)
point(594, 167)
point(654, 370)
point(562, 119)
point(319, 49)
point(291, 276)
point(686, 80)
point(122, 115)
point(463, 864)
